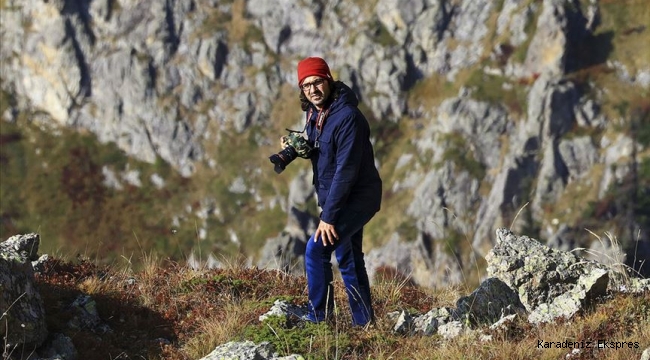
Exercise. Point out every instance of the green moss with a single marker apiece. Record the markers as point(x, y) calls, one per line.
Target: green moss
point(452, 242)
point(253, 35)
point(6, 100)
point(216, 21)
point(494, 90)
point(381, 35)
point(458, 152)
point(407, 230)
point(521, 51)
point(584, 131)
point(318, 341)
point(640, 125)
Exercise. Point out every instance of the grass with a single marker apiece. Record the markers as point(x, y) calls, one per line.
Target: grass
point(169, 311)
point(195, 310)
point(58, 188)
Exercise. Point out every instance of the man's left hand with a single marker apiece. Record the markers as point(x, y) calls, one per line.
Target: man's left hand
point(327, 232)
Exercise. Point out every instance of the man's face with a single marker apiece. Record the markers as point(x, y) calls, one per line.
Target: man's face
point(316, 89)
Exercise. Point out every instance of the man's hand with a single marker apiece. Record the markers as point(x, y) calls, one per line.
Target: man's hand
point(327, 232)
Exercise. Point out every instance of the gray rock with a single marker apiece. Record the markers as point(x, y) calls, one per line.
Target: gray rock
point(39, 265)
point(563, 239)
point(403, 323)
point(490, 302)
point(571, 302)
point(646, 354)
point(503, 322)
point(468, 27)
point(284, 310)
point(429, 323)
point(86, 317)
point(398, 16)
point(513, 20)
point(452, 329)
point(559, 28)
point(636, 285)
point(23, 314)
point(419, 260)
point(550, 283)
point(579, 155)
point(284, 252)
point(21, 248)
point(247, 350)
point(617, 149)
point(57, 347)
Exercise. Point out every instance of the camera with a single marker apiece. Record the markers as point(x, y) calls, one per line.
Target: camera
point(297, 146)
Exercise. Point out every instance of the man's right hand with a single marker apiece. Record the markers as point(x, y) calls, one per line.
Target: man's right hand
point(327, 233)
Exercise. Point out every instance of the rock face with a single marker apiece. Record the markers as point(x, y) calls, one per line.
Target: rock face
point(550, 283)
point(23, 313)
point(165, 80)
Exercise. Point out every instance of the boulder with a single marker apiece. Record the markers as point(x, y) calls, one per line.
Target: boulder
point(23, 313)
point(491, 301)
point(550, 283)
point(247, 350)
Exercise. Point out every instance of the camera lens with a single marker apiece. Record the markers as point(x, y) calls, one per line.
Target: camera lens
point(283, 158)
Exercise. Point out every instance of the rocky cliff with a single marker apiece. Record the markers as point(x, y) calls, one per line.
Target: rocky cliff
point(519, 113)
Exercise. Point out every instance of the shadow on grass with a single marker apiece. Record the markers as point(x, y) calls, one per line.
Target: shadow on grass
point(135, 331)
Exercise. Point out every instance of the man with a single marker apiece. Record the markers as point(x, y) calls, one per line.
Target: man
point(348, 187)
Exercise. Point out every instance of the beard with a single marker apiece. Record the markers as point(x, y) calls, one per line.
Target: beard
point(317, 98)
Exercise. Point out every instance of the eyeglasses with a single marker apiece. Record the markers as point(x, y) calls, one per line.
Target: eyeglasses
point(306, 86)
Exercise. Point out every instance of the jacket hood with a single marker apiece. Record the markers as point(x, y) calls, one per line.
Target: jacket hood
point(343, 95)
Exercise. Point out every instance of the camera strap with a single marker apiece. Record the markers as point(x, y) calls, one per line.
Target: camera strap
point(320, 122)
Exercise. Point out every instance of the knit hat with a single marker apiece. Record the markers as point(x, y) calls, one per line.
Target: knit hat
point(313, 66)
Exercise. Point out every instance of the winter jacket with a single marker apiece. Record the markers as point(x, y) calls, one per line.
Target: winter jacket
point(343, 163)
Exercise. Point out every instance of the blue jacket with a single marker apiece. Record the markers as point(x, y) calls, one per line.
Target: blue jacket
point(344, 165)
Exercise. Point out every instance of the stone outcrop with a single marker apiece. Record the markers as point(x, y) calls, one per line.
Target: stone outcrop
point(550, 283)
point(525, 278)
point(23, 313)
point(490, 302)
point(247, 350)
point(22, 316)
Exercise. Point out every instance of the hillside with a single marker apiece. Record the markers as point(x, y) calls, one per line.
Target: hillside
point(132, 127)
point(197, 311)
point(169, 311)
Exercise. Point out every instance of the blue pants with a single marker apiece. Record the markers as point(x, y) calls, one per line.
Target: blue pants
point(349, 254)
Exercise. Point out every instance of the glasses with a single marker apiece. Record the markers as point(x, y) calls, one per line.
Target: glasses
point(306, 86)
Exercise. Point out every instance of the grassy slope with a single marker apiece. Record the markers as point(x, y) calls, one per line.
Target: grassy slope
point(195, 311)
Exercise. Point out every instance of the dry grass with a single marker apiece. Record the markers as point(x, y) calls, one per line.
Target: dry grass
point(239, 25)
point(197, 310)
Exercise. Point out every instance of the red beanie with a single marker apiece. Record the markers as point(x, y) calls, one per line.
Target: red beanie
point(313, 66)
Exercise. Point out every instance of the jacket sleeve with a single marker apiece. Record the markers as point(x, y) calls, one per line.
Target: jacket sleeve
point(348, 140)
